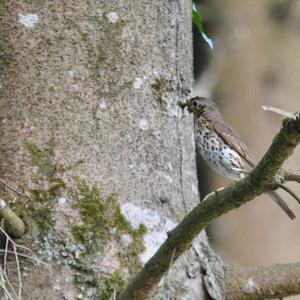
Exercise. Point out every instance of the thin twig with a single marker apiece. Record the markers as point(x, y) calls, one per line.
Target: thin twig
point(3, 287)
point(3, 271)
point(278, 111)
point(6, 280)
point(38, 261)
point(20, 194)
point(288, 190)
point(7, 294)
point(5, 254)
point(19, 272)
point(292, 176)
point(34, 257)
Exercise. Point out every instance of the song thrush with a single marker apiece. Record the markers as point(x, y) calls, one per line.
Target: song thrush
point(221, 147)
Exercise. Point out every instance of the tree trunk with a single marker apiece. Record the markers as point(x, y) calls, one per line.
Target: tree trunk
point(91, 133)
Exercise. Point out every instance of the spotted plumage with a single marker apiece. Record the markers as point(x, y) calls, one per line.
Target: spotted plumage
point(221, 147)
point(220, 158)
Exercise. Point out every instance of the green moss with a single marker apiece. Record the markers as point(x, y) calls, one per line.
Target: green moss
point(101, 217)
point(108, 51)
point(6, 55)
point(107, 55)
point(159, 87)
point(160, 84)
point(94, 213)
point(48, 185)
point(7, 51)
point(43, 159)
point(129, 266)
point(81, 278)
point(102, 56)
point(41, 216)
point(48, 182)
point(108, 285)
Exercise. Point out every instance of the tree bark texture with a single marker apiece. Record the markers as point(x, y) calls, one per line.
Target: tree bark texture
point(90, 131)
point(272, 282)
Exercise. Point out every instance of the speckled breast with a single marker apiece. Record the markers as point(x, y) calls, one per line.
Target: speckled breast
point(217, 154)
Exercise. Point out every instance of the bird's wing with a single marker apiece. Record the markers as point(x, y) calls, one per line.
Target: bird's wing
point(230, 137)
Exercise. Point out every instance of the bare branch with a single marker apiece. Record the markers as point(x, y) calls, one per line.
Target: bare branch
point(272, 282)
point(277, 110)
point(259, 181)
point(288, 190)
point(292, 176)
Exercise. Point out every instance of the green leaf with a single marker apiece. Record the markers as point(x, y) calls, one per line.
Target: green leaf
point(197, 19)
point(198, 23)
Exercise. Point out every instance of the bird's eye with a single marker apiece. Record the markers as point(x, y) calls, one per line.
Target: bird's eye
point(195, 103)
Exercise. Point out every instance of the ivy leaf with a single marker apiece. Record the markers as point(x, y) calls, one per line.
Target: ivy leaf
point(198, 23)
point(197, 19)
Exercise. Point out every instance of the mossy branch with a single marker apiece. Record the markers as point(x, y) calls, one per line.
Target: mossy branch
point(260, 180)
point(250, 283)
point(292, 176)
point(13, 225)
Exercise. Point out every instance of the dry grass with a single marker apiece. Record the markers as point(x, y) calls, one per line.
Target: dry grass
point(14, 291)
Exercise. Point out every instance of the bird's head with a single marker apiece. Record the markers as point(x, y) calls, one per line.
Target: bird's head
point(199, 105)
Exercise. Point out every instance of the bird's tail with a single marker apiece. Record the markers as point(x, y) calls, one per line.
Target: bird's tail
point(282, 204)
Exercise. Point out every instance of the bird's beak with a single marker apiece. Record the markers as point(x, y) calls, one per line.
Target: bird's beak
point(182, 104)
point(188, 105)
point(185, 104)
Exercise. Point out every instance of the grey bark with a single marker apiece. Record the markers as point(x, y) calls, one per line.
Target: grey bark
point(97, 82)
point(273, 282)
